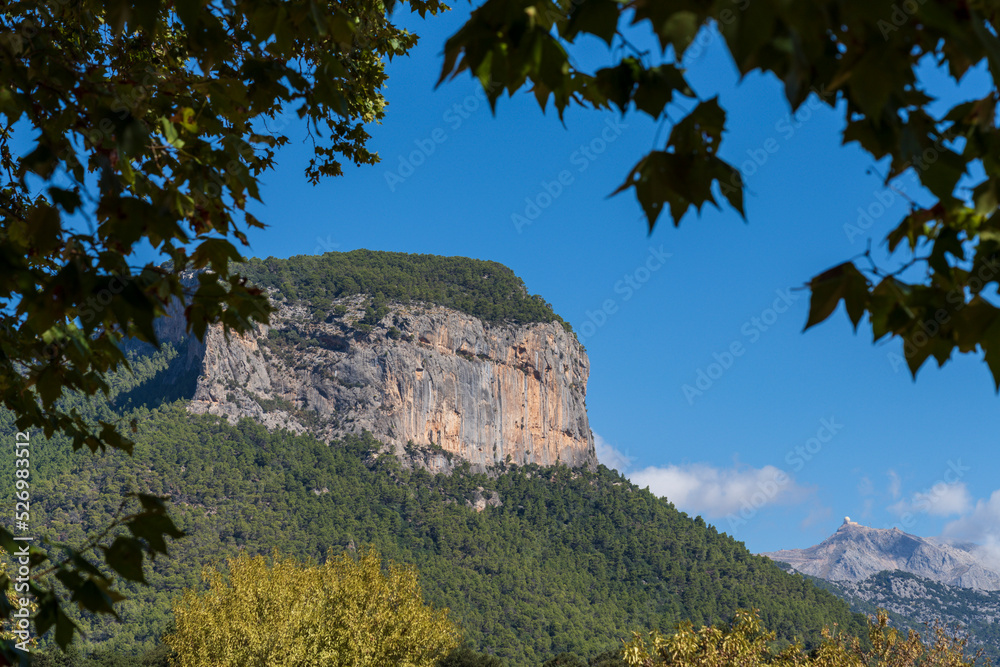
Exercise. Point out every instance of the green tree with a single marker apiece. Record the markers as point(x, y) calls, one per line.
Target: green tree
point(859, 57)
point(347, 611)
point(565, 660)
point(150, 124)
point(464, 656)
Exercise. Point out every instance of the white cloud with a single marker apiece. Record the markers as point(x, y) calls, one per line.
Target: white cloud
point(895, 484)
point(609, 456)
point(979, 525)
point(945, 499)
point(942, 499)
point(988, 554)
point(699, 488)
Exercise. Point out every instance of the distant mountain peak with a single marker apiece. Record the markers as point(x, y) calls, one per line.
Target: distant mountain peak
point(855, 552)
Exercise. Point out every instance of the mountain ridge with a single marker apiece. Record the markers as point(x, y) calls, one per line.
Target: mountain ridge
point(855, 552)
point(535, 558)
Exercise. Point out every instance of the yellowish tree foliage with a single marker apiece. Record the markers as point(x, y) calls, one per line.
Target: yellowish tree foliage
point(745, 643)
point(349, 611)
point(10, 628)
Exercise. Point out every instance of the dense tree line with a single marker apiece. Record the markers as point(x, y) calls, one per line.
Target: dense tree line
point(746, 642)
point(571, 562)
point(487, 290)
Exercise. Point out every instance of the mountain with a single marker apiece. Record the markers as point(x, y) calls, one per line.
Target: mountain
point(533, 561)
point(856, 552)
point(918, 580)
point(917, 603)
point(492, 376)
point(430, 407)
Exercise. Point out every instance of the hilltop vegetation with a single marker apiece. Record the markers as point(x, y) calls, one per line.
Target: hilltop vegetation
point(571, 562)
point(487, 290)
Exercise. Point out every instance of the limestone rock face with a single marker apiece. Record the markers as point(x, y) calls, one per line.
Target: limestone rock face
point(924, 602)
point(856, 552)
point(422, 378)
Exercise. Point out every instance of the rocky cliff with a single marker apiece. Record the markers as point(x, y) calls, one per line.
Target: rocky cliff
point(918, 603)
point(856, 552)
point(431, 382)
point(925, 601)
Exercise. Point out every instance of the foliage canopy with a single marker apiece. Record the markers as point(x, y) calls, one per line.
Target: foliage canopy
point(859, 57)
point(747, 643)
point(147, 124)
point(347, 611)
point(487, 290)
point(571, 561)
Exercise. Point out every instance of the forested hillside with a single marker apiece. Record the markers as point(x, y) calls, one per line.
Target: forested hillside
point(571, 561)
point(487, 290)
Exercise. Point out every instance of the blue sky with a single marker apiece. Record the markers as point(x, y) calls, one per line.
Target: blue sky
point(785, 438)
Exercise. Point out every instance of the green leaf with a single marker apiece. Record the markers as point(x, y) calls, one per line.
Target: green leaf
point(152, 528)
point(146, 14)
point(985, 197)
point(598, 17)
point(911, 228)
point(133, 137)
point(44, 227)
point(117, 13)
point(95, 595)
point(730, 184)
point(152, 503)
point(317, 17)
point(942, 175)
point(701, 130)
point(68, 200)
point(827, 289)
point(991, 347)
point(50, 614)
point(41, 161)
point(617, 83)
point(679, 30)
point(654, 179)
point(553, 65)
point(870, 84)
point(946, 243)
point(49, 383)
point(71, 579)
point(656, 88)
point(169, 132)
point(883, 305)
point(216, 253)
point(972, 321)
point(124, 556)
point(916, 351)
point(185, 117)
point(988, 39)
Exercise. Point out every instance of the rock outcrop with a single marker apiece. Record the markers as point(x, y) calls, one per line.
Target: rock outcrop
point(925, 601)
point(422, 378)
point(856, 552)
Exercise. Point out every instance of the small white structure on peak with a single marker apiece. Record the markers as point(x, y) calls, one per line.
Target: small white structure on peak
point(848, 522)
